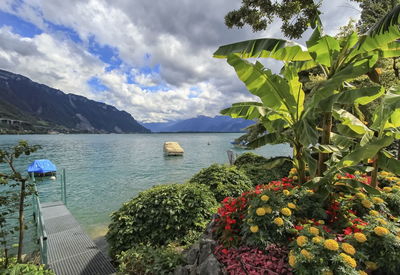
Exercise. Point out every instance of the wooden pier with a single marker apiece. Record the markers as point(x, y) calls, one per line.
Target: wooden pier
point(69, 250)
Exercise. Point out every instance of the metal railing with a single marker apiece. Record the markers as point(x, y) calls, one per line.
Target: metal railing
point(63, 187)
point(40, 228)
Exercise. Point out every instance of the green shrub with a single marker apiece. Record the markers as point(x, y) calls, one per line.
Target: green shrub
point(249, 158)
point(161, 215)
point(258, 169)
point(223, 181)
point(28, 268)
point(145, 259)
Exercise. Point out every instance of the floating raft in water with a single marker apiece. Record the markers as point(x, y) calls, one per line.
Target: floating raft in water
point(172, 148)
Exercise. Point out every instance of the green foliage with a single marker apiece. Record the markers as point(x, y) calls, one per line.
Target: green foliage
point(257, 170)
point(28, 268)
point(223, 181)
point(144, 259)
point(160, 215)
point(295, 15)
point(18, 188)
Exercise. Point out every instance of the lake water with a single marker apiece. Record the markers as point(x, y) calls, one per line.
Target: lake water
point(103, 171)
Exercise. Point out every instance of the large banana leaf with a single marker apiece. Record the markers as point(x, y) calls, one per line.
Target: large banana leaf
point(246, 110)
point(389, 164)
point(382, 33)
point(269, 138)
point(323, 49)
point(365, 152)
point(387, 115)
point(349, 120)
point(360, 96)
point(278, 49)
point(273, 90)
point(349, 72)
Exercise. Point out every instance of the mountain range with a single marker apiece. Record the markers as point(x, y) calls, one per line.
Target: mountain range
point(221, 124)
point(30, 107)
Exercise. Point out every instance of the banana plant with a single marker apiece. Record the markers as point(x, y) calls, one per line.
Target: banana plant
point(340, 60)
point(281, 108)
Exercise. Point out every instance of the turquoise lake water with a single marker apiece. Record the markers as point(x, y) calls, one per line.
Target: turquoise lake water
point(103, 171)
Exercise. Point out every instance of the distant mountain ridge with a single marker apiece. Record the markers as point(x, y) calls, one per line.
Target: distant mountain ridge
point(28, 106)
point(222, 124)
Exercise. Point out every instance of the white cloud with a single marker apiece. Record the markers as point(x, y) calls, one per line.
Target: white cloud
point(179, 35)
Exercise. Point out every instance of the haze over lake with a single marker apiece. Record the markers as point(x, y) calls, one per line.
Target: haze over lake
point(103, 171)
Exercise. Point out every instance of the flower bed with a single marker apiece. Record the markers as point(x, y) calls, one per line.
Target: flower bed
point(346, 231)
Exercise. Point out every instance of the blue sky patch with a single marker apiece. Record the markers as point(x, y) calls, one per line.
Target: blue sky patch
point(107, 54)
point(68, 32)
point(96, 85)
point(18, 25)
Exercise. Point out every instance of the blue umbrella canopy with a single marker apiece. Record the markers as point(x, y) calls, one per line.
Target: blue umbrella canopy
point(42, 166)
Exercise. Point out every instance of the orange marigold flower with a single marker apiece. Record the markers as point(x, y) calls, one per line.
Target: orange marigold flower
point(360, 237)
point(301, 240)
point(381, 231)
point(348, 248)
point(348, 260)
point(331, 245)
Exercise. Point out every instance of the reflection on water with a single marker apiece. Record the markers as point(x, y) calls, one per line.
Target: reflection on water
point(103, 171)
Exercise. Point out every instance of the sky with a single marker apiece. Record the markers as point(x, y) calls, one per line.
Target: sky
point(152, 59)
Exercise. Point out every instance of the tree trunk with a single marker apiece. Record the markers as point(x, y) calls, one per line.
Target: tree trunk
point(21, 221)
point(398, 150)
point(325, 140)
point(300, 163)
point(374, 173)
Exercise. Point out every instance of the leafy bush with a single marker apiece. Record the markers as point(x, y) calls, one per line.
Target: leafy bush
point(160, 215)
point(261, 170)
point(145, 259)
point(223, 181)
point(28, 268)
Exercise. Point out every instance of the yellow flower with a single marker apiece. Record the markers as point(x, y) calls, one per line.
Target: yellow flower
point(286, 211)
point(327, 272)
point(349, 260)
point(321, 222)
point(381, 231)
point(286, 192)
point(254, 228)
point(313, 230)
point(268, 209)
point(301, 240)
point(374, 213)
point(383, 173)
point(348, 248)
point(371, 265)
point(366, 203)
point(361, 196)
point(382, 221)
point(331, 245)
point(360, 237)
point(310, 191)
point(293, 171)
point(377, 200)
point(260, 211)
point(387, 189)
point(295, 177)
point(278, 221)
point(264, 198)
point(291, 205)
point(317, 239)
point(292, 260)
point(306, 254)
point(362, 272)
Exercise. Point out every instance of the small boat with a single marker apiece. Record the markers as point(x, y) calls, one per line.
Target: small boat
point(172, 148)
point(42, 168)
